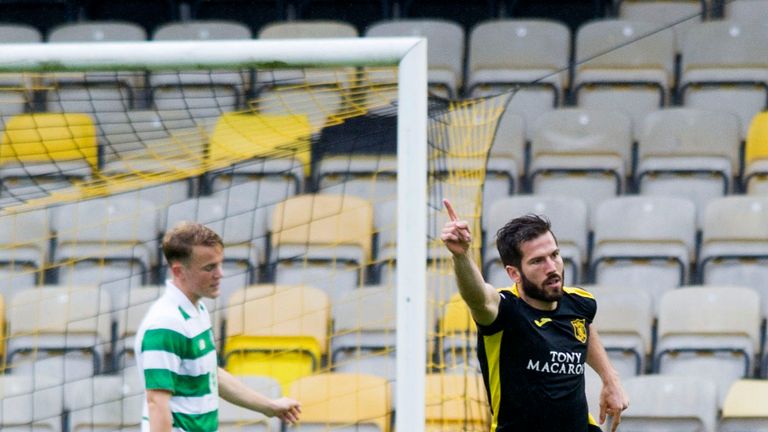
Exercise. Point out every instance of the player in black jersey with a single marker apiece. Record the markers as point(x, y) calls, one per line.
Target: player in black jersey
point(535, 337)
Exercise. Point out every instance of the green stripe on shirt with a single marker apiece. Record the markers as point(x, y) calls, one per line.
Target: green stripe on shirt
point(177, 343)
point(179, 385)
point(208, 422)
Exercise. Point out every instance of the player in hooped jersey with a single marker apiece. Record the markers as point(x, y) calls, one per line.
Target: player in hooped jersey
point(535, 337)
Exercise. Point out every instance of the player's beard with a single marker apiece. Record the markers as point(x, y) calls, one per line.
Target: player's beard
point(538, 292)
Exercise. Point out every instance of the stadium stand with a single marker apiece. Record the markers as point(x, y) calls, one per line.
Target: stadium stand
point(446, 49)
point(277, 330)
point(690, 153)
point(342, 401)
point(745, 407)
point(581, 153)
point(755, 155)
point(709, 332)
point(648, 243)
point(625, 320)
point(670, 403)
point(529, 56)
point(628, 66)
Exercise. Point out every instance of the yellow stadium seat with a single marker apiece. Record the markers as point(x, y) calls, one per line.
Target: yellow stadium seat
point(746, 407)
point(334, 401)
point(458, 335)
point(756, 155)
point(49, 137)
point(278, 331)
point(456, 402)
point(323, 240)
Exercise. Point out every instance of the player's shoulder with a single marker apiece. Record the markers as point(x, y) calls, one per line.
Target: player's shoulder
point(508, 293)
point(578, 292)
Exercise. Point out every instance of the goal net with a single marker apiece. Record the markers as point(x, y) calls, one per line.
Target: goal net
point(333, 293)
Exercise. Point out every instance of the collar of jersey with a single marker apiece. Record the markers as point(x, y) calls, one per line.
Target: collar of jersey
point(179, 298)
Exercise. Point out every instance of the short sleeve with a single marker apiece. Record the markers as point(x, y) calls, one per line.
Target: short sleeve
point(506, 303)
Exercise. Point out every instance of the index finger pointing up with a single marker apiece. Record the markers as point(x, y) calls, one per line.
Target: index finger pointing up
point(451, 211)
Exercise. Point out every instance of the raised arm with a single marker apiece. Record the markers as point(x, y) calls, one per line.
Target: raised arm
point(482, 298)
point(234, 391)
point(613, 400)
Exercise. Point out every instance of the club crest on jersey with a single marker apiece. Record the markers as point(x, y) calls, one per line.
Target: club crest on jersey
point(580, 329)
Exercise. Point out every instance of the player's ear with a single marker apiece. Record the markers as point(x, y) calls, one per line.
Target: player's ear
point(176, 267)
point(513, 273)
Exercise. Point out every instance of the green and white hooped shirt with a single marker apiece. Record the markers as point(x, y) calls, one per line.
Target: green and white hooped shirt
point(175, 351)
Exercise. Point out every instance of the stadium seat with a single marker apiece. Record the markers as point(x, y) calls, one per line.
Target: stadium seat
point(94, 92)
point(718, 69)
point(30, 403)
point(690, 153)
point(233, 418)
point(506, 159)
point(148, 157)
point(670, 404)
point(360, 13)
point(457, 338)
point(62, 332)
point(275, 330)
point(147, 13)
point(530, 57)
point(648, 243)
point(445, 55)
point(734, 243)
point(569, 218)
point(15, 88)
point(254, 14)
point(343, 402)
point(138, 301)
point(680, 15)
point(24, 249)
point(104, 402)
point(456, 402)
point(710, 332)
point(241, 223)
point(318, 94)
point(110, 241)
point(744, 10)
point(624, 321)
point(363, 339)
point(755, 178)
point(746, 407)
point(205, 94)
point(634, 78)
point(46, 152)
point(581, 153)
point(322, 240)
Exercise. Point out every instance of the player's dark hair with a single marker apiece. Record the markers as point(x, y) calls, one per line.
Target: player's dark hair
point(511, 236)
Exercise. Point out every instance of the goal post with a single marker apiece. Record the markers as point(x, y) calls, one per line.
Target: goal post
point(409, 55)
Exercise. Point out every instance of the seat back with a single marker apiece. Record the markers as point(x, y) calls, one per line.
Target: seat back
point(97, 32)
point(745, 407)
point(456, 401)
point(670, 403)
point(344, 402)
point(641, 46)
point(201, 30)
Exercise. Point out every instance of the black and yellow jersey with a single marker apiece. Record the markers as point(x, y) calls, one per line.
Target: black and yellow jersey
point(533, 363)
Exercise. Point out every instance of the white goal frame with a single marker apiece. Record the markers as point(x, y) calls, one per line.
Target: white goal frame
point(409, 54)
